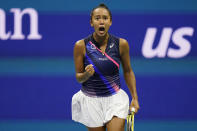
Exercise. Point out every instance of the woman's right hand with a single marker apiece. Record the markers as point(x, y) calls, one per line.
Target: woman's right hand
point(89, 69)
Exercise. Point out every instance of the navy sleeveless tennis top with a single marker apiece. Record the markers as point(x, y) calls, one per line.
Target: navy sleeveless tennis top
point(106, 80)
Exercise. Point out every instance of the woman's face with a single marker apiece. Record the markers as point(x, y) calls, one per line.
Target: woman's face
point(101, 21)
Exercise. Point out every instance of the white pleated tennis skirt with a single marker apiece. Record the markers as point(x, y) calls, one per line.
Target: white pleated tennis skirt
point(97, 111)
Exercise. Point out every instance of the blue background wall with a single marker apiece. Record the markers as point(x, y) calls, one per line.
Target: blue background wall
point(37, 77)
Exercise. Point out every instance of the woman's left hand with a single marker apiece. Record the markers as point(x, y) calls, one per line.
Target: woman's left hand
point(134, 104)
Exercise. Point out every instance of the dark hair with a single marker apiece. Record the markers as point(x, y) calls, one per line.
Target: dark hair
point(101, 6)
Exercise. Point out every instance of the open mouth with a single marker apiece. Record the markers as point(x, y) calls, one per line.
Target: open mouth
point(101, 29)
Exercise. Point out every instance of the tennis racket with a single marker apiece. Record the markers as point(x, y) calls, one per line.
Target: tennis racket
point(130, 120)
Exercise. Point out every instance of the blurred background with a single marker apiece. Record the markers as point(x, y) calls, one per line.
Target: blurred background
point(37, 75)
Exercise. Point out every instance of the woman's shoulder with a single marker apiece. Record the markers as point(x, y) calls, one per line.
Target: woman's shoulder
point(123, 41)
point(123, 46)
point(79, 46)
point(83, 41)
point(80, 43)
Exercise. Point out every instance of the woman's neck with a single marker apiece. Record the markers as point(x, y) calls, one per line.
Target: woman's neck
point(101, 40)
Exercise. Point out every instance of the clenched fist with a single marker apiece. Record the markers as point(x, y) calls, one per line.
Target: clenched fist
point(89, 70)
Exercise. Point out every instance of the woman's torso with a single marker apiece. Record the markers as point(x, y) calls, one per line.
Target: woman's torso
point(106, 80)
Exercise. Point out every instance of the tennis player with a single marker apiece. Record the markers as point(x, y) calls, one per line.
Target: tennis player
point(101, 103)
